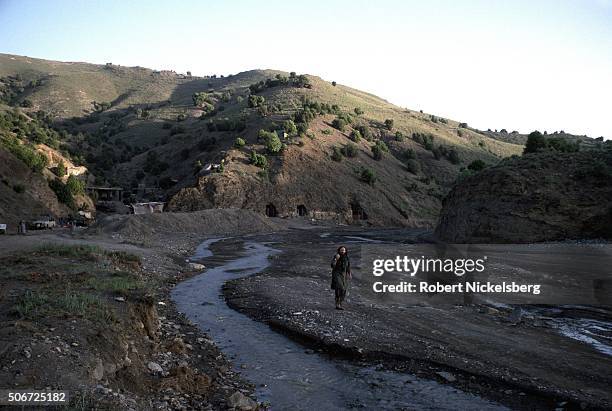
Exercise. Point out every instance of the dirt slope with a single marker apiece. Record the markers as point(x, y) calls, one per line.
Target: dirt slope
point(536, 197)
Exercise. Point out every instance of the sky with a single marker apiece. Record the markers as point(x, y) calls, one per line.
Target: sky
point(518, 65)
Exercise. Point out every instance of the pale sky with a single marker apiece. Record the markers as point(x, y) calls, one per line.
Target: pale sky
point(519, 65)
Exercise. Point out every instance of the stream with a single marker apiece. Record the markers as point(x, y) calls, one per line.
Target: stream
point(287, 375)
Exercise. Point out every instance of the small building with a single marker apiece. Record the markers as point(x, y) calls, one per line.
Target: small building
point(147, 208)
point(105, 193)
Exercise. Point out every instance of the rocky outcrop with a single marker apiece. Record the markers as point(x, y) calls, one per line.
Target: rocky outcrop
point(536, 197)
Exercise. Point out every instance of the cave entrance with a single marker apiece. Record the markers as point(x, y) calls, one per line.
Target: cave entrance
point(271, 210)
point(358, 212)
point(302, 211)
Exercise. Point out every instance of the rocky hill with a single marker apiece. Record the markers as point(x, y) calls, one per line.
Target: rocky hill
point(277, 143)
point(545, 196)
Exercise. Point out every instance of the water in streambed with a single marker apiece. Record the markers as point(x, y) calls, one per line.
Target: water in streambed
point(287, 375)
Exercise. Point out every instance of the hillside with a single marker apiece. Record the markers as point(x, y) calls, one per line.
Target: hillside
point(544, 196)
point(153, 134)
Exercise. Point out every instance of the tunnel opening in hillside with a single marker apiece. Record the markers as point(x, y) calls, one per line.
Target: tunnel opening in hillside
point(358, 212)
point(271, 210)
point(302, 210)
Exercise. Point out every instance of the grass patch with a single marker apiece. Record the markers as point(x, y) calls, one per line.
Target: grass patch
point(88, 252)
point(118, 283)
point(35, 304)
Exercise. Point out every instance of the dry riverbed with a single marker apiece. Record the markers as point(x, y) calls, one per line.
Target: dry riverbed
point(514, 360)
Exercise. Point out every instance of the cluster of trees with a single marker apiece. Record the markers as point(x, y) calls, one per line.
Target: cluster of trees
point(449, 153)
point(255, 101)
point(280, 80)
point(12, 87)
point(259, 160)
point(348, 150)
point(65, 193)
point(425, 140)
point(204, 100)
point(153, 164)
point(537, 142)
point(226, 124)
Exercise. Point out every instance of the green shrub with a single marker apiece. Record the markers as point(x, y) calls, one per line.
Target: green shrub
point(399, 136)
point(349, 150)
point(339, 124)
point(26, 153)
point(240, 142)
point(358, 111)
point(378, 149)
point(409, 154)
point(181, 117)
point(271, 141)
point(62, 192)
point(389, 124)
point(368, 176)
point(290, 127)
point(477, 165)
point(336, 154)
point(259, 160)
point(61, 169)
point(255, 101)
point(355, 136)
point(75, 186)
point(364, 131)
point(413, 166)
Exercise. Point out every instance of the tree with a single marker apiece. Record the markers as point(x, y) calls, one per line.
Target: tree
point(477, 165)
point(271, 141)
point(535, 142)
point(389, 124)
point(334, 83)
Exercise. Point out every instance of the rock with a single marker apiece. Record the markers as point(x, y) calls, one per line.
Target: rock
point(98, 371)
point(196, 266)
point(447, 376)
point(154, 367)
point(516, 316)
point(241, 402)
